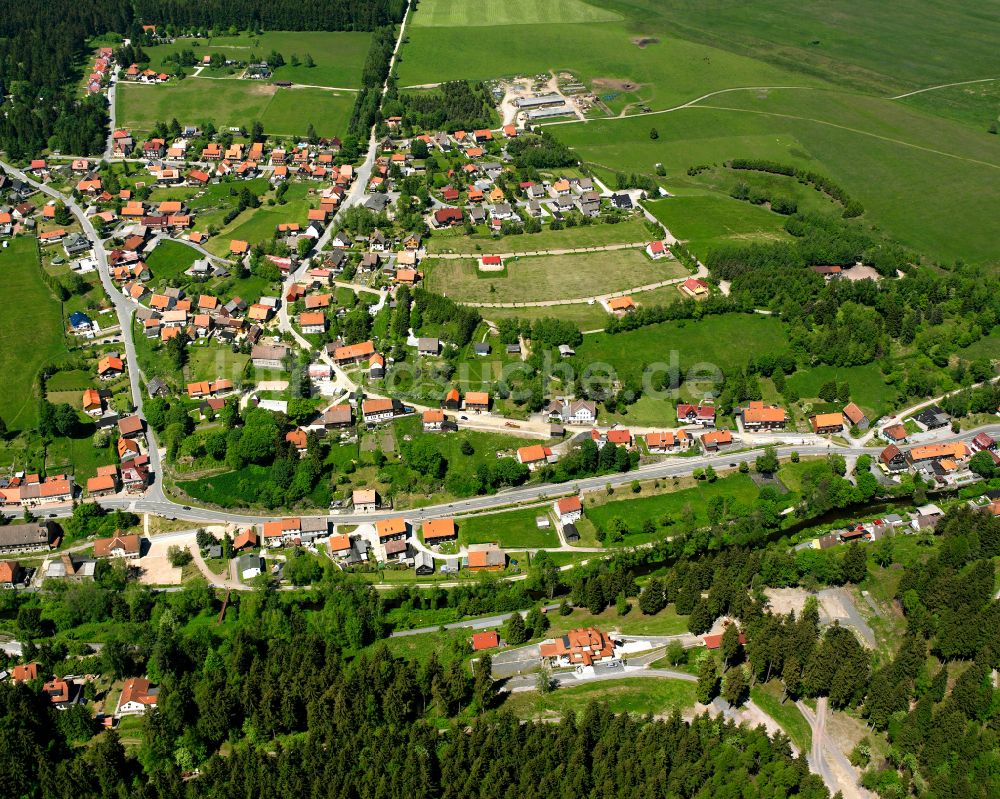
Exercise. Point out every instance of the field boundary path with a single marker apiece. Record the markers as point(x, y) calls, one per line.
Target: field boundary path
point(941, 86)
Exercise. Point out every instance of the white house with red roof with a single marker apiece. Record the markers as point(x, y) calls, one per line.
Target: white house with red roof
point(657, 250)
point(568, 509)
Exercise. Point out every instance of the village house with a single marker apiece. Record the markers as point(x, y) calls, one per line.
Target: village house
point(758, 416)
point(568, 509)
point(437, 531)
point(395, 529)
point(269, 356)
point(892, 459)
point(26, 537)
point(534, 456)
point(365, 500)
point(118, 546)
point(580, 647)
point(137, 697)
point(485, 640)
point(477, 401)
point(657, 250)
point(855, 416)
point(827, 423)
point(354, 353)
point(485, 557)
point(714, 439)
point(432, 419)
point(894, 434)
point(703, 415)
point(374, 411)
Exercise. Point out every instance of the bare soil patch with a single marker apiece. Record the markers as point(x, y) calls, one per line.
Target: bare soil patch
point(614, 84)
point(642, 42)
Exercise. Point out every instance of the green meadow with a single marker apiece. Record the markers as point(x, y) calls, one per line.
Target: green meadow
point(235, 103)
point(928, 182)
point(448, 13)
point(709, 340)
point(337, 56)
point(31, 329)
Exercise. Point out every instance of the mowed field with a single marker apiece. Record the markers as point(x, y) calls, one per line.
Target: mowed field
point(705, 219)
point(550, 277)
point(931, 183)
point(236, 103)
point(725, 341)
point(627, 232)
point(448, 13)
point(31, 330)
point(338, 56)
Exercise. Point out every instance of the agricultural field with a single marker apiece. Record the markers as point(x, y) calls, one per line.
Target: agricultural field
point(707, 341)
point(31, 327)
point(236, 103)
point(448, 13)
point(913, 172)
point(550, 277)
point(628, 232)
point(510, 529)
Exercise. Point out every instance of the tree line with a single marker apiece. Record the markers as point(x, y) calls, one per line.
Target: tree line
point(292, 15)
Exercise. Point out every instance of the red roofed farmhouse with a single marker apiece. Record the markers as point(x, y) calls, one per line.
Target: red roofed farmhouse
point(581, 647)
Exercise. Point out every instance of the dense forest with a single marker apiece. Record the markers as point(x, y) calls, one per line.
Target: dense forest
point(41, 55)
point(455, 105)
point(291, 15)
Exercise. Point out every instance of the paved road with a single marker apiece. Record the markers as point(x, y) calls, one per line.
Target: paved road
point(112, 112)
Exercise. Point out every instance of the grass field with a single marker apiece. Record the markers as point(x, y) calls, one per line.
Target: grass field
point(707, 341)
point(634, 511)
point(235, 103)
point(448, 13)
point(169, 260)
point(550, 277)
point(914, 173)
point(636, 695)
point(664, 73)
point(628, 232)
point(704, 220)
point(864, 43)
point(510, 529)
point(987, 347)
point(31, 329)
point(338, 56)
point(868, 388)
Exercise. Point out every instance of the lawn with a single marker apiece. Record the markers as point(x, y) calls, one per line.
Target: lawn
point(734, 488)
point(710, 341)
point(596, 235)
point(913, 172)
point(868, 388)
point(449, 13)
point(637, 695)
point(170, 259)
point(703, 220)
point(31, 327)
point(767, 696)
point(550, 277)
point(237, 103)
point(212, 361)
point(509, 529)
point(69, 380)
